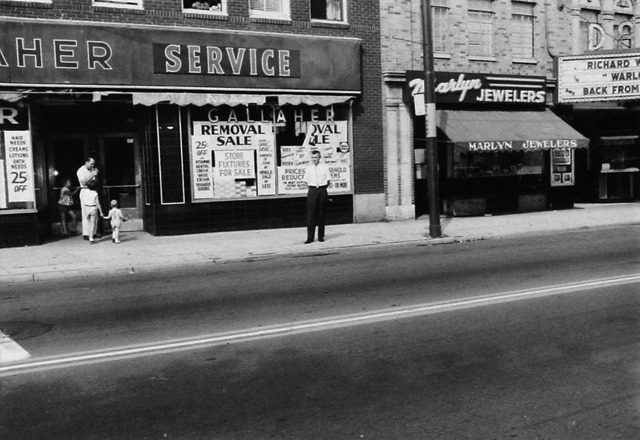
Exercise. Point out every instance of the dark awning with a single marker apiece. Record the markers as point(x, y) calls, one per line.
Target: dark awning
point(489, 131)
point(230, 99)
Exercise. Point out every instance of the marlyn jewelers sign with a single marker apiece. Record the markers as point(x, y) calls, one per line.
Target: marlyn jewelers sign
point(93, 56)
point(474, 88)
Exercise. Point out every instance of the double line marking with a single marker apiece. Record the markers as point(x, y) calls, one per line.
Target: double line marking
point(133, 351)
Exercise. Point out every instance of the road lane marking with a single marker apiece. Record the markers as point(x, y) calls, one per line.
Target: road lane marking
point(133, 351)
point(10, 351)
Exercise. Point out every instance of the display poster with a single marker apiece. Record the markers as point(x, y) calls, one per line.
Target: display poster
point(562, 173)
point(238, 159)
point(233, 159)
point(234, 165)
point(292, 180)
point(328, 137)
point(201, 164)
point(266, 166)
point(19, 166)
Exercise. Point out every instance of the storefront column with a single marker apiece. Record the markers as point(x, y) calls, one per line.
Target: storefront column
point(398, 152)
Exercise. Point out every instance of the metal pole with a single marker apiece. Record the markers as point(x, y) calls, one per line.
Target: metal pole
point(433, 183)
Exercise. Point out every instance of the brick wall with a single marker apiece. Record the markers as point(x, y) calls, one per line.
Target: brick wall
point(363, 23)
point(401, 36)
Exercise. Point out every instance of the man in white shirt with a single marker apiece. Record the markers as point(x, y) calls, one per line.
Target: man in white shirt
point(87, 173)
point(317, 177)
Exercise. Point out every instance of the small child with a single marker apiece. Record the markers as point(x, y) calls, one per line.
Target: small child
point(117, 218)
point(92, 206)
point(64, 207)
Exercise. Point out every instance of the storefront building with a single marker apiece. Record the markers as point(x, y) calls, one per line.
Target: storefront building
point(582, 54)
point(602, 91)
point(200, 128)
point(500, 148)
point(504, 145)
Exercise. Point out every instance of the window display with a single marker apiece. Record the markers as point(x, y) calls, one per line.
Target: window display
point(261, 151)
point(472, 164)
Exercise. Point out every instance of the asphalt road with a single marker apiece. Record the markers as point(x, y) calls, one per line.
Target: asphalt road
point(528, 338)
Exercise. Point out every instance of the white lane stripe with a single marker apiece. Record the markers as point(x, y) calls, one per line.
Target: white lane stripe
point(10, 351)
point(308, 326)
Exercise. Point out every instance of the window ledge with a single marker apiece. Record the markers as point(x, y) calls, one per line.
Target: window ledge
point(330, 24)
point(18, 211)
point(27, 4)
point(206, 15)
point(114, 7)
point(524, 61)
point(482, 58)
point(283, 21)
point(442, 56)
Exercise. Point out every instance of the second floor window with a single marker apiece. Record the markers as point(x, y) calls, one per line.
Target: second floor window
point(208, 5)
point(480, 28)
point(269, 8)
point(522, 27)
point(440, 26)
point(327, 10)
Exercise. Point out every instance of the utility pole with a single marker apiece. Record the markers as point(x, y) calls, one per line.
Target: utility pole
point(433, 183)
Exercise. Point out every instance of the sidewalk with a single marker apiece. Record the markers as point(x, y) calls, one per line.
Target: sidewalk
point(142, 252)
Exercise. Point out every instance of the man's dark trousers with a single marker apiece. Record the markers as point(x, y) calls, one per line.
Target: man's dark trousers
point(316, 211)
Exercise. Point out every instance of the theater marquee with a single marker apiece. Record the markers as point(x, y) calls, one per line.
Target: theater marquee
point(601, 77)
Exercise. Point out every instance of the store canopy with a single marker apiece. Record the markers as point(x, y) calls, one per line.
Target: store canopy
point(500, 131)
point(231, 99)
point(11, 96)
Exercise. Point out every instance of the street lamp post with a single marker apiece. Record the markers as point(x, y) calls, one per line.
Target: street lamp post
point(435, 230)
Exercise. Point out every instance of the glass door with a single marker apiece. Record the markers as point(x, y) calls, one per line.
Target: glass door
point(121, 176)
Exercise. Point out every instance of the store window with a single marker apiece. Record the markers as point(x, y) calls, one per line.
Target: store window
point(440, 18)
point(333, 10)
point(17, 177)
point(522, 30)
point(277, 9)
point(209, 6)
point(250, 152)
point(472, 164)
point(480, 35)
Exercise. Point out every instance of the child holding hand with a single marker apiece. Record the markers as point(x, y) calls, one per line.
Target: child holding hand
point(116, 217)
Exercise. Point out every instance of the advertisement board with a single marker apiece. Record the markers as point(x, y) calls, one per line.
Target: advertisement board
point(242, 159)
point(63, 55)
point(599, 77)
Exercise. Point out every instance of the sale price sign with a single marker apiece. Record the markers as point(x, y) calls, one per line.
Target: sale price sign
point(19, 166)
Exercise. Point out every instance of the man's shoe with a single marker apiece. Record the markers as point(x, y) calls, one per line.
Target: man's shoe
point(98, 236)
point(86, 237)
point(321, 240)
point(308, 241)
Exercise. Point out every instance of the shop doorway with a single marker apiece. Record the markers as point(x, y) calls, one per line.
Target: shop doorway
point(119, 164)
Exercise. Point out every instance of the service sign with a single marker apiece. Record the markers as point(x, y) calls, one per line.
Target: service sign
point(62, 55)
point(475, 88)
point(601, 77)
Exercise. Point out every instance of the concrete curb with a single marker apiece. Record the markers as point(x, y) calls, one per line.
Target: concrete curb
point(75, 273)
